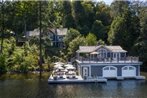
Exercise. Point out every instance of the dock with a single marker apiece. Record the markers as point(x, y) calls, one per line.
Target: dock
point(78, 79)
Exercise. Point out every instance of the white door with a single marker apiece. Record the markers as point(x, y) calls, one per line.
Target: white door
point(128, 71)
point(110, 71)
point(85, 71)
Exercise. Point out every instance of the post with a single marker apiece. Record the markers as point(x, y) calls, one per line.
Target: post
point(2, 36)
point(40, 35)
point(125, 58)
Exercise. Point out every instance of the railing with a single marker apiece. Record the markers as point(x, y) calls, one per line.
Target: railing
point(129, 59)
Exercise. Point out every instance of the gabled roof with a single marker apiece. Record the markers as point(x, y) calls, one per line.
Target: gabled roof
point(86, 49)
point(60, 31)
point(89, 49)
point(36, 32)
point(115, 49)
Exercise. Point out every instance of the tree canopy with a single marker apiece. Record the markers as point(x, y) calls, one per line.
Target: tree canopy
point(122, 23)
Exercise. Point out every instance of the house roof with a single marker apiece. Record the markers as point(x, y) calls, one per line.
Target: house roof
point(60, 31)
point(36, 32)
point(88, 49)
point(115, 48)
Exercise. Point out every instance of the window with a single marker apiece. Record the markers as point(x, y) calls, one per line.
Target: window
point(114, 55)
point(60, 38)
point(103, 53)
point(131, 68)
point(125, 68)
point(107, 68)
point(112, 68)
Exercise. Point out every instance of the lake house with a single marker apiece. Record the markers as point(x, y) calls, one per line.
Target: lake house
point(107, 62)
point(56, 35)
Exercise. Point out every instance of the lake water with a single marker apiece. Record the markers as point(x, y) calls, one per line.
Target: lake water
point(32, 86)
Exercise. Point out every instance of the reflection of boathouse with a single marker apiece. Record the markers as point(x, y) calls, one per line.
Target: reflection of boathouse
point(106, 61)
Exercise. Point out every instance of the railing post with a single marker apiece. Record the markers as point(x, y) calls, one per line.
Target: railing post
point(125, 59)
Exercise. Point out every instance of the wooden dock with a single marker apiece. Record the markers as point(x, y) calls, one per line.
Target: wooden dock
point(79, 79)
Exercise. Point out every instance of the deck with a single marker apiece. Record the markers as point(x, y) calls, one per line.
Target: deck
point(78, 79)
point(109, 62)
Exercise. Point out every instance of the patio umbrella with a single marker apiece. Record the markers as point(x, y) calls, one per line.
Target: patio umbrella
point(71, 72)
point(58, 65)
point(70, 67)
point(60, 68)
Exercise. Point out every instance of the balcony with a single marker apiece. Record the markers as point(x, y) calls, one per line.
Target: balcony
point(129, 59)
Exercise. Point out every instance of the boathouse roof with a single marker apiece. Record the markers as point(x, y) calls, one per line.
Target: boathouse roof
point(88, 49)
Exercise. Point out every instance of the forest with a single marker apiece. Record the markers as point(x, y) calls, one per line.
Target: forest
point(122, 23)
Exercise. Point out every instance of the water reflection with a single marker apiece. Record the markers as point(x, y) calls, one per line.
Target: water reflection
point(32, 87)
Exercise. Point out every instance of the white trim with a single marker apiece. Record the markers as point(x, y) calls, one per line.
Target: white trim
point(107, 64)
point(89, 71)
point(85, 71)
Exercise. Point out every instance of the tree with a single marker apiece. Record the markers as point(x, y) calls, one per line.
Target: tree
point(90, 40)
point(74, 45)
point(140, 47)
point(117, 34)
point(103, 13)
point(83, 13)
point(68, 20)
point(118, 8)
point(125, 27)
point(3, 63)
point(71, 34)
point(99, 30)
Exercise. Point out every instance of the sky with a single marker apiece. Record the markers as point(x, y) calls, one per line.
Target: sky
point(106, 1)
point(110, 1)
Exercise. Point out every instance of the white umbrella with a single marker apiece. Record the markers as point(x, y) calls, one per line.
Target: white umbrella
point(61, 68)
point(58, 65)
point(72, 72)
point(68, 65)
point(61, 63)
point(65, 70)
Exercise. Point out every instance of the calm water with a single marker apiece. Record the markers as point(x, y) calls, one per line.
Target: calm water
point(31, 86)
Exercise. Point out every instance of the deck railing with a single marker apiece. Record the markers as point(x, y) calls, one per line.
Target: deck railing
point(109, 60)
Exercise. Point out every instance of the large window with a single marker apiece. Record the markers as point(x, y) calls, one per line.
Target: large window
point(103, 53)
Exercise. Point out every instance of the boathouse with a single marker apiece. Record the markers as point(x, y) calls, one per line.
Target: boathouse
point(106, 61)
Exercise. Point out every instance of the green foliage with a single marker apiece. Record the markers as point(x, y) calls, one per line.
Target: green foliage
point(91, 40)
point(118, 8)
point(99, 30)
point(71, 34)
point(100, 42)
point(103, 13)
point(74, 45)
point(3, 63)
point(122, 23)
point(115, 31)
point(140, 47)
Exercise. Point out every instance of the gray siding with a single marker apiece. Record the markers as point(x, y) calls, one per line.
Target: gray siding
point(98, 70)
